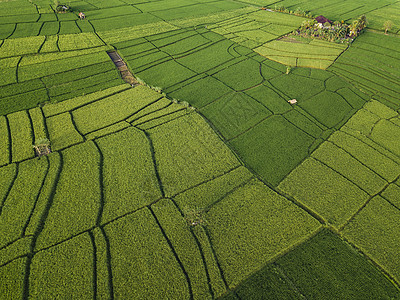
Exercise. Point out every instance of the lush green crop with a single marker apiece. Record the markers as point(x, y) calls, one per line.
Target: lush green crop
point(343, 163)
point(4, 142)
point(54, 270)
point(8, 174)
point(57, 108)
point(127, 186)
point(165, 74)
point(26, 100)
point(27, 72)
point(21, 136)
point(20, 46)
point(267, 146)
point(68, 42)
point(324, 191)
point(235, 113)
point(188, 153)
point(160, 117)
point(79, 181)
point(205, 180)
point(373, 230)
point(205, 195)
point(38, 124)
point(13, 278)
point(45, 195)
point(26, 29)
point(113, 109)
point(251, 226)
point(201, 92)
point(178, 231)
point(62, 132)
point(135, 241)
point(21, 200)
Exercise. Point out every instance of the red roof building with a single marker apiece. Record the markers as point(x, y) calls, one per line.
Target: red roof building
point(322, 20)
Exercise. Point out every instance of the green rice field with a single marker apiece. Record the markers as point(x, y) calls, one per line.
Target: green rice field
point(240, 163)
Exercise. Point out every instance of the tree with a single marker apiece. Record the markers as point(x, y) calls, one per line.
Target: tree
point(362, 20)
point(354, 26)
point(387, 26)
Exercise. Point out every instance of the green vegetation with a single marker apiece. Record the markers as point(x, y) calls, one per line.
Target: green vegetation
point(239, 161)
point(248, 228)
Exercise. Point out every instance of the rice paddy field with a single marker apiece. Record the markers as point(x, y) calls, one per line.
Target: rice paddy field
point(199, 179)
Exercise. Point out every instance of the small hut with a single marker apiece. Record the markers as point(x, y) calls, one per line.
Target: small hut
point(322, 20)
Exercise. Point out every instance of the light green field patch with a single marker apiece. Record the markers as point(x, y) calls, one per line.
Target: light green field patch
point(251, 226)
point(375, 231)
point(324, 191)
point(62, 131)
point(51, 109)
point(69, 42)
point(21, 136)
point(392, 194)
point(314, 54)
point(387, 134)
point(204, 195)
point(78, 182)
point(178, 231)
point(20, 202)
point(4, 142)
point(343, 163)
point(56, 269)
point(188, 152)
point(113, 109)
point(129, 179)
point(136, 243)
point(21, 46)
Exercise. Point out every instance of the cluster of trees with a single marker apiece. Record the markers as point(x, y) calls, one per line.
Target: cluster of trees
point(357, 26)
point(333, 32)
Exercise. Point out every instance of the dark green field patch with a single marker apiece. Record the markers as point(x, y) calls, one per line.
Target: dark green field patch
point(273, 148)
point(242, 75)
point(269, 98)
point(328, 108)
point(325, 267)
point(298, 87)
point(166, 74)
point(235, 113)
point(201, 92)
point(208, 58)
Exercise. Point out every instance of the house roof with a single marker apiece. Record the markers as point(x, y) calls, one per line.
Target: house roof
point(321, 19)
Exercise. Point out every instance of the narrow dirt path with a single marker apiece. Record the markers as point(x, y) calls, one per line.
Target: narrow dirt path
point(126, 74)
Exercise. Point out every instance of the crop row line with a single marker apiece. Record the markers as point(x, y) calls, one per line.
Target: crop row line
point(174, 253)
point(40, 228)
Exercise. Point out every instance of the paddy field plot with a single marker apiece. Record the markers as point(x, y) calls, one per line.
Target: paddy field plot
point(371, 64)
point(202, 181)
